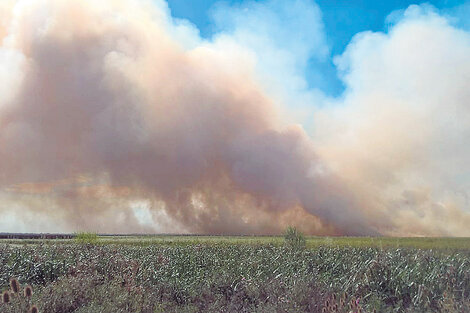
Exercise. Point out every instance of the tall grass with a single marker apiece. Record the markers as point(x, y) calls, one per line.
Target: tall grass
point(236, 278)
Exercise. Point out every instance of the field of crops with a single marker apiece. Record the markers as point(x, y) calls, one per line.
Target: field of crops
point(238, 274)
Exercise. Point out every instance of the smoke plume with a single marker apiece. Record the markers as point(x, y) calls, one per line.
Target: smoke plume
point(114, 117)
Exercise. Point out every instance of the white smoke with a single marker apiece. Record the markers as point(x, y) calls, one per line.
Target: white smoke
point(401, 134)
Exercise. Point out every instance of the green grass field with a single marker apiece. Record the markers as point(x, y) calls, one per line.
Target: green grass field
point(312, 242)
point(437, 243)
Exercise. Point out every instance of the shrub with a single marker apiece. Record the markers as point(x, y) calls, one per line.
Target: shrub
point(294, 238)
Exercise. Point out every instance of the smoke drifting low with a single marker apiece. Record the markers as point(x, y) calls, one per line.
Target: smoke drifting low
point(116, 118)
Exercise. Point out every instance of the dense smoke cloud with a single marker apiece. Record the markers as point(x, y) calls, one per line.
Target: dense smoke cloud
point(116, 118)
point(401, 135)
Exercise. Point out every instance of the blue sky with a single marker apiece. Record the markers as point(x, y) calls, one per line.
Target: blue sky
point(342, 19)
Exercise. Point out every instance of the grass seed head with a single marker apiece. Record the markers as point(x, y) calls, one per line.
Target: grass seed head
point(28, 291)
point(14, 285)
point(6, 297)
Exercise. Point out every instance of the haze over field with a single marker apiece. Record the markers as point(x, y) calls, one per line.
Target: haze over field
point(116, 117)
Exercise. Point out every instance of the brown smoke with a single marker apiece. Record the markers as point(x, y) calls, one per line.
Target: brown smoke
point(106, 93)
point(106, 108)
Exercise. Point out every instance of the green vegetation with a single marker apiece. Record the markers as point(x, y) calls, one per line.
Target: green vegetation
point(240, 274)
point(86, 238)
point(294, 238)
point(434, 243)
